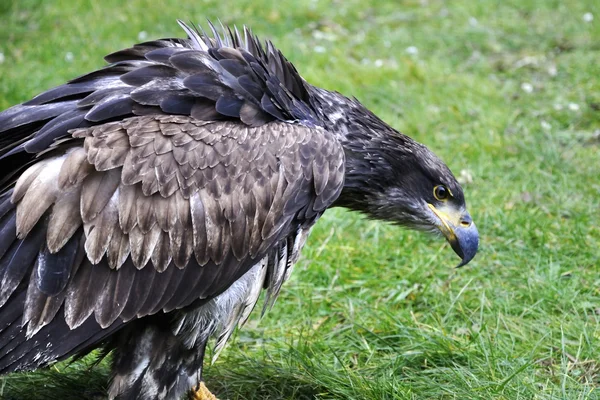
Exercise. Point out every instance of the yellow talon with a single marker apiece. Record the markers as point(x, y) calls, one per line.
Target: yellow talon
point(201, 392)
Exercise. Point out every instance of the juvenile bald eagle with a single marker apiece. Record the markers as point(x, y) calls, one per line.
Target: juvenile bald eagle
point(145, 205)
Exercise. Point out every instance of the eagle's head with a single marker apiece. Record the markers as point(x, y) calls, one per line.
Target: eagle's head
point(391, 177)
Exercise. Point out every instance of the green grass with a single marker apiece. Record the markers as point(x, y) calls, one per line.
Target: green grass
point(508, 91)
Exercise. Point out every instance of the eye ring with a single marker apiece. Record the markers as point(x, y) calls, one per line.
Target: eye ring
point(441, 192)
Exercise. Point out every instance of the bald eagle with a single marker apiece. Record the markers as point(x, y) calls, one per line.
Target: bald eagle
point(145, 206)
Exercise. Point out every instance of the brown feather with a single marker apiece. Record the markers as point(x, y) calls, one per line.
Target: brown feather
point(96, 191)
point(166, 167)
point(180, 138)
point(145, 212)
point(162, 144)
point(252, 115)
point(99, 231)
point(161, 257)
point(182, 244)
point(26, 179)
point(148, 245)
point(161, 211)
point(118, 248)
point(128, 206)
point(143, 138)
point(136, 241)
point(74, 169)
point(180, 234)
point(169, 187)
point(64, 219)
point(136, 244)
point(142, 153)
point(215, 224)
point(40, 195)
point(200, 232)
point(113, 152)
point(240, 231)
point(255, 212)
point(150, 182)
point(130, 173)
point(177, 207)
point(321, 177)
point(273, 219)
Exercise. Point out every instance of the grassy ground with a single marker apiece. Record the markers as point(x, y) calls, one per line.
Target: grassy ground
point(506, 92)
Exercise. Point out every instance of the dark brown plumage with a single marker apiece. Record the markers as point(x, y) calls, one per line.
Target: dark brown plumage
point(145, 205)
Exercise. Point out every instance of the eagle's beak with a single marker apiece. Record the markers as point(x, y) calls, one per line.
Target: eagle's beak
point(460, 231)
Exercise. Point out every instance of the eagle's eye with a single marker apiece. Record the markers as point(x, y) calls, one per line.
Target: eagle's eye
point(441, 193)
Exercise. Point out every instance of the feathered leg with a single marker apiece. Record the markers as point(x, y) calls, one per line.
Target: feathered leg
point(153, 363)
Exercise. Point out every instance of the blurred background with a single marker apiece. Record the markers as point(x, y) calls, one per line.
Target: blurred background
point(507, 93)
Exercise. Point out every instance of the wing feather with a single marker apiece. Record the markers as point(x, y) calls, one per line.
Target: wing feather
point(53, 270)
point(140, 291)
point(161, 256)
point(39, 195)
point(110, 246)
point(18, 261)
point(51, 274)
point(170, 290)
point(200, 231)
point(63, 222)
point(160, 284)
point(118, 248)
point(84, 291)
point(8, 230)
point(113, 299)
point(96, 191)
point(99, 231)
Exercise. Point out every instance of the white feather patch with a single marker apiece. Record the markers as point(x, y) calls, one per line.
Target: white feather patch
point(222, 314)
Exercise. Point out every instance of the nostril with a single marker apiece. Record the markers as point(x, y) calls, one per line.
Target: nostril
point(466, 221)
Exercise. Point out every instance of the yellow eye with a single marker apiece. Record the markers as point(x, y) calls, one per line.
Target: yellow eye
point(441, 193)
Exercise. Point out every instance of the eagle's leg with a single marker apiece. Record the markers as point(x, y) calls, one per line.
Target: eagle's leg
point(201, 392)
point(152, 362)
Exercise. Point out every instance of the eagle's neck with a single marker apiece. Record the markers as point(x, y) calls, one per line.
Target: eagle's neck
point(347, 118)
point(365, 139)
point(376, 154)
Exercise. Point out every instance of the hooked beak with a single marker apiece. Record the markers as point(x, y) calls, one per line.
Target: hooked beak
point(460, 231)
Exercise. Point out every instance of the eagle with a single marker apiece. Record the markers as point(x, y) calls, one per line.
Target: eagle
point(145, 206)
